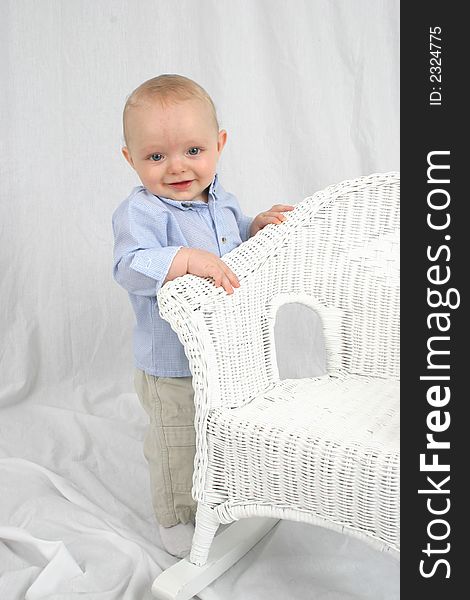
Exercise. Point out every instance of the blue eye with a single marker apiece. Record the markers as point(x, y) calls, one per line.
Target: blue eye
point(194, 151)
point(156, 157)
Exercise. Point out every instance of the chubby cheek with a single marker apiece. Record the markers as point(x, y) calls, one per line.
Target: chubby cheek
point(151, 177)
point(208, 168)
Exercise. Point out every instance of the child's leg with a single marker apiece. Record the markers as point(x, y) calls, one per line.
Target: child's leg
point(169, 444)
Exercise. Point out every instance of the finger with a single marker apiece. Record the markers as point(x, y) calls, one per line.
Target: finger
point(217, 279)
point(275, 213)
point(282, 207)
point(222, 269)
point(274, 218)
point(227, 285)
point(221, 280)
point(280, 216)
point(232, 278)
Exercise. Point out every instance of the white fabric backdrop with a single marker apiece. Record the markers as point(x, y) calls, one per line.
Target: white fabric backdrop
point(308, 92)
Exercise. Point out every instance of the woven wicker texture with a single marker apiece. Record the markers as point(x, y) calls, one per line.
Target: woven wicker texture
point(321, 450)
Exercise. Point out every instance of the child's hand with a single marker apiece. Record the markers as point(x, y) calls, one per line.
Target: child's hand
point(206, 264)
point(273, 215)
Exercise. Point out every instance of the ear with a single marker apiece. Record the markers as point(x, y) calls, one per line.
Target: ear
point(127, 155)
point(222, 138)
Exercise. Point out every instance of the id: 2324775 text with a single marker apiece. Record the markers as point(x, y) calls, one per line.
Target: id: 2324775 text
point(435, 66)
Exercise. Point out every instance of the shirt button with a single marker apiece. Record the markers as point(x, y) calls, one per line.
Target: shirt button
point(184, 205)
point(224, 239)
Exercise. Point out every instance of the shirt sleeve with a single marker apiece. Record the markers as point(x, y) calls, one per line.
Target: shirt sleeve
point(142, 257)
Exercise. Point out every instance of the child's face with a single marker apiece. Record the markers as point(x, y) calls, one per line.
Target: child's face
point(175, 148)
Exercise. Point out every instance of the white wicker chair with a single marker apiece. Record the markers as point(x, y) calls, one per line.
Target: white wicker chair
point(322, 450)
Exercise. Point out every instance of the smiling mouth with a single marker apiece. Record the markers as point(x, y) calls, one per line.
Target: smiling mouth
point(182, 182)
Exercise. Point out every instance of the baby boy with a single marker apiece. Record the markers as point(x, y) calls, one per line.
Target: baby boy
point(180, 220)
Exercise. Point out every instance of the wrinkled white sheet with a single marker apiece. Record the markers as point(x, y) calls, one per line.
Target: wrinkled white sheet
point(308, 91)
point(84, 524)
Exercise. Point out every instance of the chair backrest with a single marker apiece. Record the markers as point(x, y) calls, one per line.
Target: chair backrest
point(346, 260)
point(337, 253)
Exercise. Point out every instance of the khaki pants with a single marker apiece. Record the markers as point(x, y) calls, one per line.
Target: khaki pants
point(169, 444)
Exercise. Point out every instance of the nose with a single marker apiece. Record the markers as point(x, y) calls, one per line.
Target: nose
point(176, 164)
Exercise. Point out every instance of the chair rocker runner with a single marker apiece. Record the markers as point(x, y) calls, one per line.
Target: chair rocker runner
point(324, 449)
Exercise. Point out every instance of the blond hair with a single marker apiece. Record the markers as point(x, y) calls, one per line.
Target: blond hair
point(166, 88)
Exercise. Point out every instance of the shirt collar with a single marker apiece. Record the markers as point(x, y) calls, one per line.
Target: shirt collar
point(214, 189)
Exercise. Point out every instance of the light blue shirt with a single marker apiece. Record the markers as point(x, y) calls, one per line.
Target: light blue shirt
point(148, 232)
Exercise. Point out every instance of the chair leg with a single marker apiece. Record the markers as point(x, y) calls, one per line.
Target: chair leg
point(206, 528)
point(184, 579)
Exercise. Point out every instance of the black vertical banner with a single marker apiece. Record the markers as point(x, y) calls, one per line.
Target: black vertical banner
point(435, 243)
